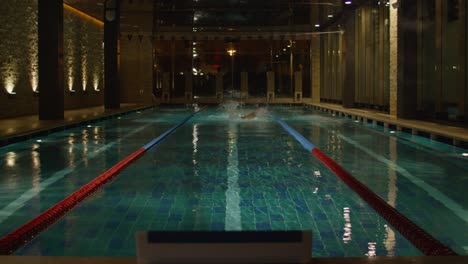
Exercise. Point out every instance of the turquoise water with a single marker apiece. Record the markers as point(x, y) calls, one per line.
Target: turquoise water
point(221, 172)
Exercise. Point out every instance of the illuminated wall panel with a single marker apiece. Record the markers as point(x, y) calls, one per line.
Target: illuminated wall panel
point(84, 59)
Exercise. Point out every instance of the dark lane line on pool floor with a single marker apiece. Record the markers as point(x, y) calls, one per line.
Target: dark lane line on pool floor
point(422, 240)
point(24, 234)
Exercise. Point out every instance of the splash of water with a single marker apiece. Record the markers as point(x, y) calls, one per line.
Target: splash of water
point(262, 112)
point(235, 112)
point(231, 108)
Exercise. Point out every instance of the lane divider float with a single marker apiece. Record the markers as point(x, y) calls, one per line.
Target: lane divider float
point(422, 240)
point(27, 232)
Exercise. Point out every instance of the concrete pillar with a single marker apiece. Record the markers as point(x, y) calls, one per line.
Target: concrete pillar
point(393, 100)
point(219, 87)
point(51, 84)
point(403, 58)
point(350, 62)
point(111, 54)
point(188, 87)
point(244, 89)
point(270, 86)
point(315, 68)
point(298, 86)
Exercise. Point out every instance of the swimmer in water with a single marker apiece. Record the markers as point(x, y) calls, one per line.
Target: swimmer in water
point(251, 115)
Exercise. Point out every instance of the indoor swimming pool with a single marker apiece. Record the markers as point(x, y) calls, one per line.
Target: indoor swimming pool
point(220, 171)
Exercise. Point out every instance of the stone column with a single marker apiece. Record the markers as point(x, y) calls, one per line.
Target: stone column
point(315, 68)
point(51, 84)
point(111, 54)
point(315, 65)
point(393, 100)
point(403, 58)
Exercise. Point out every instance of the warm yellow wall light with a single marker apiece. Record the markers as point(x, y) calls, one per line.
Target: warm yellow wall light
point(231, 52)
point(10, 78)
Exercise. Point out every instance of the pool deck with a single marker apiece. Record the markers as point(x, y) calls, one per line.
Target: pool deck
point(132, 260)
point(25, 127)
point(448, 133)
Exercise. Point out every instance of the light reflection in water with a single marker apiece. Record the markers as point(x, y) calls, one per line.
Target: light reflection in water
point(389, 240)
point(35, 160)
point(36, 168)
point(371, 246)
point(71, 155)
point(11, 159)
point(96, 136)
point(347, 228)
point(85, 147)
point(195, 142)
point(233, 212)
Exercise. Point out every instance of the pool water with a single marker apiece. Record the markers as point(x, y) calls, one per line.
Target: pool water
point(222, 172)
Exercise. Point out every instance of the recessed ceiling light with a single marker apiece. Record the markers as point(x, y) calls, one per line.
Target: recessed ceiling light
point(465, 154)
point(317, 25)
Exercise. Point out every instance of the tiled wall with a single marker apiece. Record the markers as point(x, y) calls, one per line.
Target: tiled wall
point(19, 59)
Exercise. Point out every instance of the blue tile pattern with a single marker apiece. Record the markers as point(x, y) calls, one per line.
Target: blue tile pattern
point(184, 183)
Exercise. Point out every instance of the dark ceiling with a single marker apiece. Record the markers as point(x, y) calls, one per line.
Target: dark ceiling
point(219, 13)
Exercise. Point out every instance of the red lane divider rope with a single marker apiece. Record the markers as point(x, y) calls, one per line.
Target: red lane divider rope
point(23, 235)
point(416, 235)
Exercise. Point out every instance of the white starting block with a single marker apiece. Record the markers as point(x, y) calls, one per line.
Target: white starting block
point(224, 247)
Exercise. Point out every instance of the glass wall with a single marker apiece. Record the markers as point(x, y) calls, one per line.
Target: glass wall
point(427, 60)
point(442, 45)
point(372, 56)
point(331, 62)
point(206, 61)
point(453, 58)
